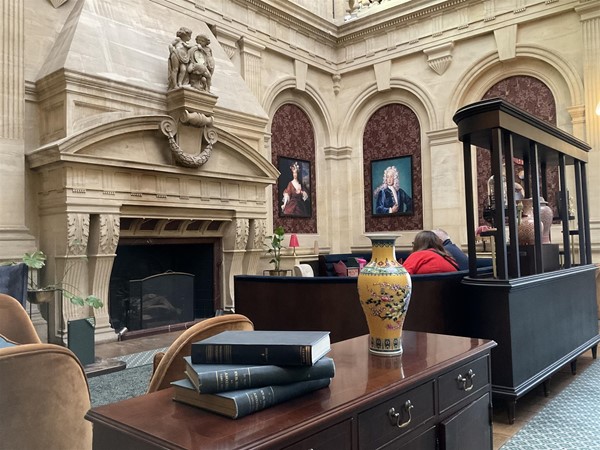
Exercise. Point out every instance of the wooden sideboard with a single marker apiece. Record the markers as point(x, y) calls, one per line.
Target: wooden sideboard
point(436, 395)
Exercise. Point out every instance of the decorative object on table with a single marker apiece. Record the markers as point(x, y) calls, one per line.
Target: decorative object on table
point(274, 248)
point(294, 243)
point(384, 289)
point(213, 378)
point(546, 214)
point(526, 227)
point(236, 404)
point(293, 348)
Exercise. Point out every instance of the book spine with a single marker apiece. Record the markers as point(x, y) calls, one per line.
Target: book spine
point(258, 376)
point(291, 355)
point(250, 402)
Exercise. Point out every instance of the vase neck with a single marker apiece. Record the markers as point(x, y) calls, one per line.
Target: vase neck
point(383, 248)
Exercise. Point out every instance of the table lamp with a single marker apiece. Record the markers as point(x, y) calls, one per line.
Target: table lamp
point(294, 242)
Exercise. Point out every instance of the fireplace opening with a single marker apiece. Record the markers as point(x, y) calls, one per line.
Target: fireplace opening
point(155, 283)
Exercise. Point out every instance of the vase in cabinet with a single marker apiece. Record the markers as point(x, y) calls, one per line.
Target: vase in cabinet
point(546, 215)
point(384, 290)
point(526, 228)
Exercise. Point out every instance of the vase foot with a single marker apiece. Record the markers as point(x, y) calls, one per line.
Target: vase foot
point(377, 352)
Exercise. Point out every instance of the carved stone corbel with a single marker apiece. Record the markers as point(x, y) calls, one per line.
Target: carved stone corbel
point(209, 136)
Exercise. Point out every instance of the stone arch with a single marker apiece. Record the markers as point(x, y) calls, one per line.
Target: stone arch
point(555, 72)
point(402, 91)
point(310, 103)
point(310, 100)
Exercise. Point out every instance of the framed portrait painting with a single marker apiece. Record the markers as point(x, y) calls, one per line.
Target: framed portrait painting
point(294, 188)
point(391, 186)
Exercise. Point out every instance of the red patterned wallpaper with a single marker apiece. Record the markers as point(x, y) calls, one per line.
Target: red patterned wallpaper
point(292, 136)
point(533, 96)
point(393, 131)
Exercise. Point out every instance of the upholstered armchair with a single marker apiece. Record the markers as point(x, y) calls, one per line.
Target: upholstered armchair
point(169, 366)
point(15, 324)
point(44, 397)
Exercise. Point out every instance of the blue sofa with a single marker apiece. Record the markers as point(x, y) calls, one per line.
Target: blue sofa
point(326, 262)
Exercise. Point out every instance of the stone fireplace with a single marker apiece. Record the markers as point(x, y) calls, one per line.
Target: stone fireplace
point(114, 191)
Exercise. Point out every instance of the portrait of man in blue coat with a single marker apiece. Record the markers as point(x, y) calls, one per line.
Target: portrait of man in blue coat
point(389, 197)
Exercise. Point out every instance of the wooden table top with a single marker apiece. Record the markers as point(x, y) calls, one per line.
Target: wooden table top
point(359, 376)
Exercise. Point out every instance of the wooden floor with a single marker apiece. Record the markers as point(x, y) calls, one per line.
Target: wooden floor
point(527, 406)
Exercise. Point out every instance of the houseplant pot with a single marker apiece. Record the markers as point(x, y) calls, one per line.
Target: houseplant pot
point(384, 289)
point(274, 248)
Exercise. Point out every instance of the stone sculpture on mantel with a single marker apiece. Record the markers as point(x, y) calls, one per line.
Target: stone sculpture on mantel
point(189, 101)
point(189, 64)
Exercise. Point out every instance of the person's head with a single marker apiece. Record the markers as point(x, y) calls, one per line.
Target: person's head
point(295, 168)
point(390, 177)
point(184, 33)
point(441, 234)
point(202, 39)
point(427, 240)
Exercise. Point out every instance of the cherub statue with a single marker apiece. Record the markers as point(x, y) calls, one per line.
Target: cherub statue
point(179, 59)
point(201, 64)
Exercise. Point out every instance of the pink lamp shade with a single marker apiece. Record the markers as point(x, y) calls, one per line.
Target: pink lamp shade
point(294, 242)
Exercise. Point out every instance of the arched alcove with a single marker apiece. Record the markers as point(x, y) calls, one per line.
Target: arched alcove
point(392, 133)
point(293, 142)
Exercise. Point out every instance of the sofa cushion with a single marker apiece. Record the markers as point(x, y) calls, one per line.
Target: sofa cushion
point(340, 269)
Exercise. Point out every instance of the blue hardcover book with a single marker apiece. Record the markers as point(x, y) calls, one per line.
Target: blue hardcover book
point(236, 404)
point(280, 348)
point(211, 378)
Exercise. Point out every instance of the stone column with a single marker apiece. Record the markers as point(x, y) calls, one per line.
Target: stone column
point(104, 237)
point(590, 23)
point(256, 245)
point(338, 160)
point(447, 185)
point(14, 235)
point(235, 242)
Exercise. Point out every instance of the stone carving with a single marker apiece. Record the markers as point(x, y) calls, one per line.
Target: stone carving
point(242, 231)
point(189, 64)
point(201, 65)
point(109, 233)
point(78, 232)
point(209, 135)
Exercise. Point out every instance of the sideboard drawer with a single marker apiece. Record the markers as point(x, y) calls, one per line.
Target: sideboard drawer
point(394, 418)
point(336, 437)
point(460, 383)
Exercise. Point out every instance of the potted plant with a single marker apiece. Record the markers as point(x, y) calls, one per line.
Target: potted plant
point(43, 294)
point(80, 331)
point(274, 249)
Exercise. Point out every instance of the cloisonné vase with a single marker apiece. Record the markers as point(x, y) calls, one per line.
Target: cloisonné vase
point(526, 228)
point(384, 289)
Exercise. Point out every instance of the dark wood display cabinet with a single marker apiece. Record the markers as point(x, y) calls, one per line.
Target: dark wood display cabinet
point(435, 396)
point(542, 314)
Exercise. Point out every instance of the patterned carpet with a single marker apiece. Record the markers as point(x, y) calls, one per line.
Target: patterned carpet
point(570, 421)
point(128, 383)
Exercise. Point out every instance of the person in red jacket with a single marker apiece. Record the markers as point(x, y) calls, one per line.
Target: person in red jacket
point(429, 255)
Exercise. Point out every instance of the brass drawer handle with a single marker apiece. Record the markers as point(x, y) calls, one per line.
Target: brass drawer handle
point(395, 417)
point(466, 383)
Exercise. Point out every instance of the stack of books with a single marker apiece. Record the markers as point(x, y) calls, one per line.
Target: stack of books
point(236, 373)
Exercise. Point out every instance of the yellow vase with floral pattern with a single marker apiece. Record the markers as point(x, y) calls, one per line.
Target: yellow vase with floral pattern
point(384, 289)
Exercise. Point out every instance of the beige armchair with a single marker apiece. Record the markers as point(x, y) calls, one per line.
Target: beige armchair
point(169, 366)
point(15, 324)
point(44, 397)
